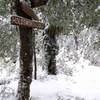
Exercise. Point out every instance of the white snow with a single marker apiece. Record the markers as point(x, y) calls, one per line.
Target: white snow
point(83, 85)
point(87, 83)
point(98, 8)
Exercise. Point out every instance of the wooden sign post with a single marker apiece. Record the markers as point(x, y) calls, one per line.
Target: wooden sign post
point(21, 21)
point(27, 47)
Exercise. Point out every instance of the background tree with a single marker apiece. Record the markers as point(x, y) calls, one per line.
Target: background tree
point(51, 48)
point(73, 15)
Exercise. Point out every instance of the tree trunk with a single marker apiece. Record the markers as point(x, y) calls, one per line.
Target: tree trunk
point(76, 41)
point(35, 61)
point(50, 49)
point(26, 54)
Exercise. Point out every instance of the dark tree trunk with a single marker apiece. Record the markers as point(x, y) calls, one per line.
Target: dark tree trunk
point(76, 41)
point(51, 49)
point(34, 52)
point(26, 54)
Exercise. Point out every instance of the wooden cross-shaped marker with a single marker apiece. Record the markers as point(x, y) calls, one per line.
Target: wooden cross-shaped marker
point(25, 22)
point(24, 11)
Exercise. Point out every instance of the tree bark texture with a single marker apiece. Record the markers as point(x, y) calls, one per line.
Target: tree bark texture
point(76, 41)
point(50, 49)
point(26, 55)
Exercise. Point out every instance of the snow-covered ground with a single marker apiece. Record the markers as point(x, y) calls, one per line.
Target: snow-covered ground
point(77, 78)
point(83, 85)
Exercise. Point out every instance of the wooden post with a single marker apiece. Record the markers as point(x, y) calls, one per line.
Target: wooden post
point(27, 46)
point(26, 55)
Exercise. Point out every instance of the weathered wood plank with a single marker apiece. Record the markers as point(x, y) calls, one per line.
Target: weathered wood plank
point(20, 21)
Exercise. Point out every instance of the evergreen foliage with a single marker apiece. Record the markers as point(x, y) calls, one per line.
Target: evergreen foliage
point(73, 14)
point(8, 34)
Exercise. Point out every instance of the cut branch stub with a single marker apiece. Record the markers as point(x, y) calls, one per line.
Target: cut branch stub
point(38, 3)
point(20, 21)
point(28, 10)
